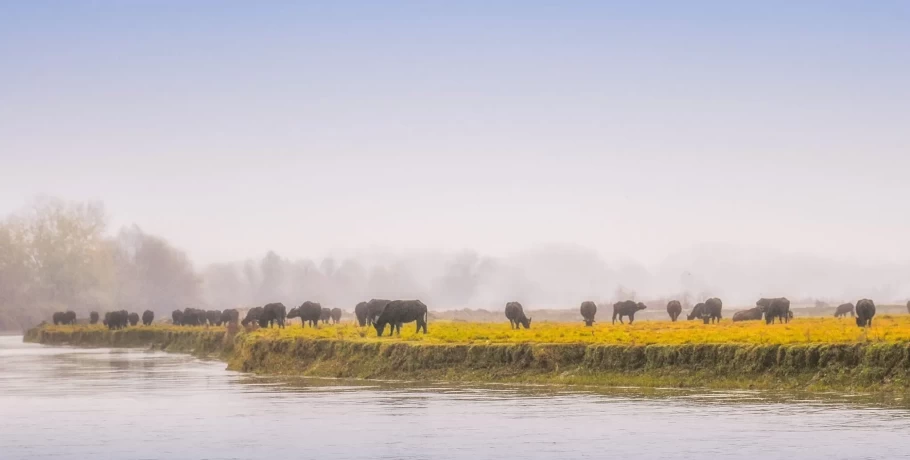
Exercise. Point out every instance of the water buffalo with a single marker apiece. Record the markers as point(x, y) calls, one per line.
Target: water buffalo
point(336, 315)
point(193, 317)
point(588, 310)
point(273, 313)
point(116, 319)
point(865, 310)
point(398, 312)
point(776, 308)
point(308, 312)
point(93, 317)
point(360, 312)
point(696, 312)
point(325, 315)
point(133, 318)
point(230, 316)
point(177, 317)
point(516, 316)
point(147, 317)
point(252, 316)
point(213, 317)
point(674, 309)
point(844, 310)
point(752, 314)
point(67, 317)
point(374, 309)
point(626, 308)
point(712, 313)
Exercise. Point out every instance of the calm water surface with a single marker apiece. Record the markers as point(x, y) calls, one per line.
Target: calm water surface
point(67, 403)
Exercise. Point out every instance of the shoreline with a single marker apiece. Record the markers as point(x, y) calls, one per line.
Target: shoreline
point(860, 367)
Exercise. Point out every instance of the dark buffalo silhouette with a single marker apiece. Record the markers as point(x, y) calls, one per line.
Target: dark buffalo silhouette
point(712, 311)
point(697, 311)
point(252, 316)
point(775, 308)
point(273, 314)
point(674, 309)
point(64, 317)
point(133, 318)
point(213, 317)
point(325, 315)
point(360, 312)
point(516, 316)
point(752, 314)
point(336, 315)
point(588, 310)
point(844, 310)
point(147, 317)
point(865, 310)
point(398, 312)
point(93, 317)
point(177, 317)
point(230, 316)
point(374, 309)
point(626, 308)
point(116, 319)
point(193, 317)
point(308, 312)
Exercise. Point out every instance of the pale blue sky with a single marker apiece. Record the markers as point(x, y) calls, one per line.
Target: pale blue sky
point(638, 129)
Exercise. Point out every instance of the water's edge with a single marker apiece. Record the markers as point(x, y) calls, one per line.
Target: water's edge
point(871, 367)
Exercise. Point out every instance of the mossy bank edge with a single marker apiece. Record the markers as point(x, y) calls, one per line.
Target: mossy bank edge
point(869, 367)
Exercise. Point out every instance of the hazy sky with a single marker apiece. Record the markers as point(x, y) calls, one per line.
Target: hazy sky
point(638, 129)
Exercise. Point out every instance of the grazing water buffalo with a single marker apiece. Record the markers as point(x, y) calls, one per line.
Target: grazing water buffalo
point(67, 317)
point(398, 312)
point(752, 314)
point(134, 318)
point(325, 315)
point(93, 317)
point(696, 312)
point(308, 312)
point(360, 312)
point(213, 317)
point(116, 319)
point(712, 313)
point(674, 309)
point(516, 316)
point(147, 317)
point(273, 313)
point(844, 310)
point(865, 310)
point(252, 316)
point(588, 310)
point(177, 317)
point(374, 309)
point(336, 315)
point(776, 308)
point(230, 316)
point(626, 308)
point(193, 317)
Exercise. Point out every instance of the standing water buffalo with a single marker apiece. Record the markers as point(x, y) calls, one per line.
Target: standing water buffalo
point(273, 313)
point(752, 314)
point(360, 312)
point(844, 310)
point(213, 317)
point(776, 308)
point(674, 309)
point(374, 309)
point(134, 318)
point(116, 319)
point(68, 317)
point(325, 315)
point(712, 312)
point(588, 310)
point(865, 310)
point(93, 317)
point(193, 317)
point(252, 316)
point(336, 315)
point(398, 312)
point(697, 311)
point(626, 308)
point(308, 312)
point(177, 317)
point(230, 316)
point(516, 316)
point(147, 317)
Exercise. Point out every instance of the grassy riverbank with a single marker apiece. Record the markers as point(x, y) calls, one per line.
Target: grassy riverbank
point(815, 354)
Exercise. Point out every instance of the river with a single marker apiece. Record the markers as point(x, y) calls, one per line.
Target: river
point(69, 403)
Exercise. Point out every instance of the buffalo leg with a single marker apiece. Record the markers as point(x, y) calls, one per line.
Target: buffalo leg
point(631, 318)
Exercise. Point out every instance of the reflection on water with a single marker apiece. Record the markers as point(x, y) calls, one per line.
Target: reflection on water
point(67, 403)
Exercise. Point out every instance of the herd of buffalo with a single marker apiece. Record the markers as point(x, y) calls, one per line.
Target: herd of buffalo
point(380, 313)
